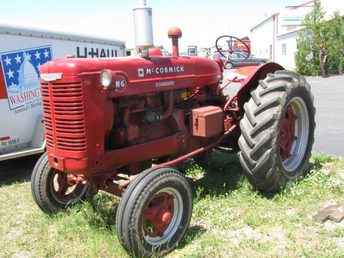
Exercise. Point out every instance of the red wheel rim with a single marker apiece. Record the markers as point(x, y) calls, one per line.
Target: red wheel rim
point(60, 189)
point(287, 133)
point(65, 189)
point(158, 215)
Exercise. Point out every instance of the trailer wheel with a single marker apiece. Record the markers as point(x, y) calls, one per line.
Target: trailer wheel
point(154, 212)
point(277, 131)
point(52, 190)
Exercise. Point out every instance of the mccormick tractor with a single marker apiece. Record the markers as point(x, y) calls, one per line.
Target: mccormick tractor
point(124, 126)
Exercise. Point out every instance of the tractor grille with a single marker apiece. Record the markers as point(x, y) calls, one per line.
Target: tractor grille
point(64, 116)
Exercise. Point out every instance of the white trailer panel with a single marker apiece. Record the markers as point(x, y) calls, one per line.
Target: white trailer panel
point(22, 52)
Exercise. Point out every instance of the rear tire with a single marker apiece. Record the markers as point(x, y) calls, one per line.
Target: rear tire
point(154, 212)
point(277, 131)
point(47, 190)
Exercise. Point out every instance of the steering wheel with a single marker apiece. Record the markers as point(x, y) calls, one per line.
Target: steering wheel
point(232, 49)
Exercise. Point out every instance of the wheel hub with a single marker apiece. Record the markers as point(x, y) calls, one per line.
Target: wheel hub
point(66, 187)
point(287, 133)
point(62, 185)
point(158, 215)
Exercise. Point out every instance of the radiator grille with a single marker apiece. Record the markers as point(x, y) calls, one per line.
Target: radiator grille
point(64, 116)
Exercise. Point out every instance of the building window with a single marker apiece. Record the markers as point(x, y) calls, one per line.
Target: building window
point(284, 49)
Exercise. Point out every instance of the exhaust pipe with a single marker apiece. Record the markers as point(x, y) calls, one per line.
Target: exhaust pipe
point(175, 33)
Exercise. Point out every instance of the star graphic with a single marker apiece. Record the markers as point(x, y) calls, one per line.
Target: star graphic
point(27, 56)
point(38, 55)
point(13, 85)
point(18, 59)
point(46, 54)
point(8, 60)
point(10, 73)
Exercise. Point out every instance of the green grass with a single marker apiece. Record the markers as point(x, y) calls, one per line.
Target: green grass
point(229, 218)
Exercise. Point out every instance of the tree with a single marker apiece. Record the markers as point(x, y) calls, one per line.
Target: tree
point(321, 43)
point(336, 46)
point(306, 61)
point(313, 43)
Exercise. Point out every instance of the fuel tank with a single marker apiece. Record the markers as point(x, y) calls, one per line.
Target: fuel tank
point(142, 75)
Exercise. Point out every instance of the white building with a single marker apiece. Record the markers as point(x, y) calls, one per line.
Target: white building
point(275, 37)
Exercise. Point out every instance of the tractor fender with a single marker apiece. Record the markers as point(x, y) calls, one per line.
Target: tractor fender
point(251, 82)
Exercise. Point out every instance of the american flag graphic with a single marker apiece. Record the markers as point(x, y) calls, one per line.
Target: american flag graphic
point(20, 70)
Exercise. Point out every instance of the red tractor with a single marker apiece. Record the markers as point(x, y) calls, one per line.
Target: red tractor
point(124, 125)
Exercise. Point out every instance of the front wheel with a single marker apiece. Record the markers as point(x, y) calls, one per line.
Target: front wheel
point(52, 190)
point(154, 212)
point(277, 131)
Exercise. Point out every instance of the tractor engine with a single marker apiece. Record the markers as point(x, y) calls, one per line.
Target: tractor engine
point(103, 115)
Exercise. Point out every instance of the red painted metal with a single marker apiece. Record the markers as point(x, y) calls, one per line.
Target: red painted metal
point(3, 92)
point(175, 33)
point(155, 51)
point(207, 121)
point(77, 104)
point(5, 138)
point(241, 46)
point(197, 151)
point(252, 76)
point(145, 115)
point(159, 214)
point(287, 133)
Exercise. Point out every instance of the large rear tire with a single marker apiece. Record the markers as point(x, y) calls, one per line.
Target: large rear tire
point(154, 212)
point(277, 131)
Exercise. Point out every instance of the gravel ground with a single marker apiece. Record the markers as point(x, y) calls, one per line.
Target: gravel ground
point(329, 93)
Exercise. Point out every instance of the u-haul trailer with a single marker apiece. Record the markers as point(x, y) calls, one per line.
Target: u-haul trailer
point(22, 52)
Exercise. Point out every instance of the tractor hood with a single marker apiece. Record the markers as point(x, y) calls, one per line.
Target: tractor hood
point(136, 69)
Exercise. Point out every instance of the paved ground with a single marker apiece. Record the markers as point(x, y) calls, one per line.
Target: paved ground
point(329, 102)
point(329, 96)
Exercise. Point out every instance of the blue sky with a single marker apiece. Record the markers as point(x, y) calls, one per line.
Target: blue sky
point(201, 21)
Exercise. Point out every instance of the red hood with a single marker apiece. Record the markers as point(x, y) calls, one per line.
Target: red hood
point(135, 67)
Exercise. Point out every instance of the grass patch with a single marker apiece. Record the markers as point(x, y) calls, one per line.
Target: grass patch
point(229, 218)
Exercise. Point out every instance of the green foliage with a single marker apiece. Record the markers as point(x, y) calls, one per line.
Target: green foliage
point(307, 60)
point(229, 218)
point(321, 42)
point(336, 46)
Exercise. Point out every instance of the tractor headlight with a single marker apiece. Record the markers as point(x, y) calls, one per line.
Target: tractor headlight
point(106, 78)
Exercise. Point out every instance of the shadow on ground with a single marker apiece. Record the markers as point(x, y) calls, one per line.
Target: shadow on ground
point(17, 170)
point(222, 175)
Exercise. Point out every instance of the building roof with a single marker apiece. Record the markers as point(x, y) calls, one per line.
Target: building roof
point(264, 21)
point(38, 33)
point(289, 33)
point(305, 4)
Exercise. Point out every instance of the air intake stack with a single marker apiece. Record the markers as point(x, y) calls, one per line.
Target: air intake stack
point(143, 26)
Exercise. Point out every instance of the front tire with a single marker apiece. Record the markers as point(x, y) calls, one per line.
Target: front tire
point(277, 131)
point(50, 188)
point(154, 212)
